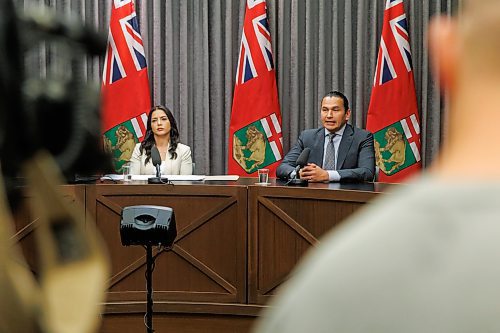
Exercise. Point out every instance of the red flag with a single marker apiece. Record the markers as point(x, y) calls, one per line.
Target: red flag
point(255, 139)
point(393, 115)
point(125, 87)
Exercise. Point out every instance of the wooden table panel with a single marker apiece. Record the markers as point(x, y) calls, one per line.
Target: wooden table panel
point(236, 244)
point(208, 260)
point(284, 222)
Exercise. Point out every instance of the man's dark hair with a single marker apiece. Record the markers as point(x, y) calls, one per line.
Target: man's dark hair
point(335, 93)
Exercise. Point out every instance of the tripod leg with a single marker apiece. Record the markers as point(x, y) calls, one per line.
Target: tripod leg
point(149, 285)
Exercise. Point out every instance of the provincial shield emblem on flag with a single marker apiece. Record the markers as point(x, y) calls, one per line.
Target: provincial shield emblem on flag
point(120, 140)
point(254, 145)
point(395, 146)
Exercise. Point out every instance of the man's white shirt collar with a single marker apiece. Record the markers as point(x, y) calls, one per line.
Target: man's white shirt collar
point(340, 132)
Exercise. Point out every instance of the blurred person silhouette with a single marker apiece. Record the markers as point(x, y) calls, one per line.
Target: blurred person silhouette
point(162, 131)
point(61, 288)
point(425, 258)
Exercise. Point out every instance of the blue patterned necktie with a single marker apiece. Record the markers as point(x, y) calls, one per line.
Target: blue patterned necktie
point(329, 163)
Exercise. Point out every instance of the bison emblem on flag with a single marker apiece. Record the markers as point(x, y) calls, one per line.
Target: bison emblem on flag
point(396, 146)
point(255, 146)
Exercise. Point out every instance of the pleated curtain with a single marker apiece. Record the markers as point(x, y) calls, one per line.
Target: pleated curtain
point(319, 45)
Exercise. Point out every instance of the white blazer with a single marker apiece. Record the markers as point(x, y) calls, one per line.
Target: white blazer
point(182, 165)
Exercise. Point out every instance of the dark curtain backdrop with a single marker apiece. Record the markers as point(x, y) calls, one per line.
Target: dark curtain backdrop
point(318, 45)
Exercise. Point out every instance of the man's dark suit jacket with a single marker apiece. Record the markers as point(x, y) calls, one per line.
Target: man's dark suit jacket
point(356, 156)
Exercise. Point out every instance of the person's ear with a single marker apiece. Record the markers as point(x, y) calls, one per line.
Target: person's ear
point(347, 114)
point(444, 50)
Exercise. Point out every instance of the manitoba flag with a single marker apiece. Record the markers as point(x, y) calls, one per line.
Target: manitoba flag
point(393, 115)
point(255, 139)
point(125, 87)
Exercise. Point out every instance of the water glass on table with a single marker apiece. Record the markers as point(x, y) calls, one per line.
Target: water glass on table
point(263, 175)
point(127, 175)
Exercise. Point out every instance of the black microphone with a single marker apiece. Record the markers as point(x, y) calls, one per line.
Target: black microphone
point(301, 162)
point(156, 160)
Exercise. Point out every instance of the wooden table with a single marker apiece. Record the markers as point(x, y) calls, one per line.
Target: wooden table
point(237, 242)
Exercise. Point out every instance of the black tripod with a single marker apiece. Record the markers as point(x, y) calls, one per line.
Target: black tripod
point(150, 264)
point(149, 288)
point(148, 225)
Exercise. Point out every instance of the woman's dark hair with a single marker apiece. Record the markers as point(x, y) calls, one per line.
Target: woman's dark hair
point(149, 138)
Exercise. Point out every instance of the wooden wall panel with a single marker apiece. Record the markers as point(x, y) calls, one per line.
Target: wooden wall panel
point(133, 323)
point(208, 260)
point(284, 223)
point(236, 245)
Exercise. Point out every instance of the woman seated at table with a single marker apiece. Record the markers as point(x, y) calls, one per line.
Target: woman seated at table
point(161, 131)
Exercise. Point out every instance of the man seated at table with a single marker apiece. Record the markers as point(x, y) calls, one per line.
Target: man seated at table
point(339, 152)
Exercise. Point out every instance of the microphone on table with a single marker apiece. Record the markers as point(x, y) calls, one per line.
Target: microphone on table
point(156, 160)
point(301, 162)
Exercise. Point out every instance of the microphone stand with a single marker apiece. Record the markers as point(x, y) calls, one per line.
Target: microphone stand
point(158, 179)
point(296, 181)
